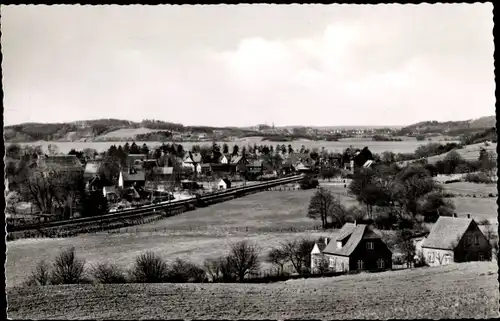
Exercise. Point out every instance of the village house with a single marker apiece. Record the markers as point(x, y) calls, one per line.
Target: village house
point(357, 247)
point(224, 159)
point(255, 168)
point(363, 158)
point(111, 194)
point(91, 176)
point(132, 177)
point(453, 239)
point(192, 161)
point(224, 183)
point(136, 160)
point(238, 163)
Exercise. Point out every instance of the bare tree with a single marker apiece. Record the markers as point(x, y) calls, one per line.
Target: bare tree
point(244, 259)
point(219, 269)
point(299, 254)
point(278, 257)
point(68, 269)
point(321, 206)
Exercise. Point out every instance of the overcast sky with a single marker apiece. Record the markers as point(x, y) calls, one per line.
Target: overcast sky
point(249, 64)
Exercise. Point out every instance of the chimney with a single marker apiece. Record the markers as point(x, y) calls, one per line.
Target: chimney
point(468, 215)
point(355, 223)
point(454, 214)
point(326, 240)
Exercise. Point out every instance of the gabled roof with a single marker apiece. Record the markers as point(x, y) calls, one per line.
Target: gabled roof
point(163, 170)
point(196, 157)
point(109, 190)
point(359, 232)
point(345, 231)
point(446, 231)
point(92, 168)
point(135, 177)
point(236, 159)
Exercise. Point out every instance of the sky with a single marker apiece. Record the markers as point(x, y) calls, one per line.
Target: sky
point(243, 65)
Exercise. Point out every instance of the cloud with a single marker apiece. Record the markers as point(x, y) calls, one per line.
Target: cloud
point(243, 65)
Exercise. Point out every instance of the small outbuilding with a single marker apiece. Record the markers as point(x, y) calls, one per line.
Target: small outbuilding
point(224, 183)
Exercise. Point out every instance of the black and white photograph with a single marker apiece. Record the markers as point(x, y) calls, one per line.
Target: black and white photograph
point(250, 161)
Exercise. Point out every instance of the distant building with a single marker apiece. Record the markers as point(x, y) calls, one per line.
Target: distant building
point(224, 183)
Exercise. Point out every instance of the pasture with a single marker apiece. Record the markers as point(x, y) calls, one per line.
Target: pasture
point(125, 133)
point(408, 146)
point(469, 152)
point(467, 290)
point(266, 218)
point(471, 188)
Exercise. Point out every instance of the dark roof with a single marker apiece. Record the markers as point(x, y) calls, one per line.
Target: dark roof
point(446, 231)
point(359, 232)
point(137, 176)
point(205, 165)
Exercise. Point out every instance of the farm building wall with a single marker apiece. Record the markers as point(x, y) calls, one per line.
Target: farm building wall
point(372, 257)
point(337, 263)
point(473, 246)
point(437, 257)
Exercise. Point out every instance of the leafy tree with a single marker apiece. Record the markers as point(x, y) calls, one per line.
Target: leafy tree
point(13, 151)
point(434, 205)
point(134, 149)
point(144, 149)
point(290, 149)
point(266, 150)
point(225, 148)
point(126, 148)
point(235, 150)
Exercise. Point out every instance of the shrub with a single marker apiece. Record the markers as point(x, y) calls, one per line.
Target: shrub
point(420, 260)
point(219, 270)
point(480, 178)
point(106, 273)
point(149, 268)
point(484, 222)
point(182, 271)
point(67, 268)
point(398, 259)
point(41, 275)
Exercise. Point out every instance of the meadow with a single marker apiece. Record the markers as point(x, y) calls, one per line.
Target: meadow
point(432, 293)
point(266, 218)
point(407, 146)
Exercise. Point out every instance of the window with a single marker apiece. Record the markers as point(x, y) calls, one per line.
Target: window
point(481, 257)
point(476, 239)
point(369, 245)
point(430, 257)
point(380, 263)
point(468, 240)
point(360, 264)
point(332, 262)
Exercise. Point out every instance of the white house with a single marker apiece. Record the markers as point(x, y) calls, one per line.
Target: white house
point(120, 181)
point(224, 183)
point(223, 159)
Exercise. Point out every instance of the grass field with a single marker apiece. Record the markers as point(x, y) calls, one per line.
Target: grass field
point(469, 152)
point(432, 293)
point(471, 188)
point(266, 218)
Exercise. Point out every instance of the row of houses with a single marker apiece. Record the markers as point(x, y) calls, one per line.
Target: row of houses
point(359, 247)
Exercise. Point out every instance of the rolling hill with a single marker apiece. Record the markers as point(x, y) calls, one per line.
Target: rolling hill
point(450, 127)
